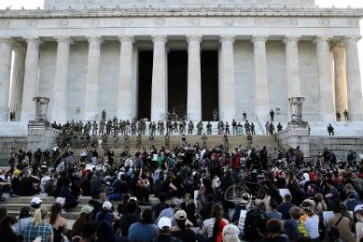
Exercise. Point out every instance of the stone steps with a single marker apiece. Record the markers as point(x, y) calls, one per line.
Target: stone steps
point(212, 141)
point(45, 199)
point(14, 204)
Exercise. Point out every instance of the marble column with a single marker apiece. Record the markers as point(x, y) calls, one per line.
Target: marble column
point(93, 77)
point(355, 103)
point(16, 89)
point(227, 104)
point(194, 105)
point(292, 69)
point(341, 97)
point(5, 68)
point(326, 99)
point(262, 108)
point(125, 92)
point(59, 100)
point(159, 89)
point(31, 76)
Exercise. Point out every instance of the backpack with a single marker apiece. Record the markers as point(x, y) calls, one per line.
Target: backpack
point(302, 229)
point(255, 224)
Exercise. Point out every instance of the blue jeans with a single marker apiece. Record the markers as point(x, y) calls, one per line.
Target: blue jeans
point(115, 197)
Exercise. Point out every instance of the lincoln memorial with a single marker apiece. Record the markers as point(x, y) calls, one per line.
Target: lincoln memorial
point(143, 58)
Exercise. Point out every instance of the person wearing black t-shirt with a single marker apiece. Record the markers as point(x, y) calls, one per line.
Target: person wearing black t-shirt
point(180, 230)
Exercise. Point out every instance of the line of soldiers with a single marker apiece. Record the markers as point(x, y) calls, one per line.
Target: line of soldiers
point(123, 127)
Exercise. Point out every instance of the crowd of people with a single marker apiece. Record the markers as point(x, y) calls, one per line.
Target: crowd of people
point(203, 195)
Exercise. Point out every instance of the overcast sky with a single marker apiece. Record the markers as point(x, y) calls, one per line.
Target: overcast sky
point(15, 4)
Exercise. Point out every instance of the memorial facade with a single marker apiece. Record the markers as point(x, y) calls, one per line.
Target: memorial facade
point(141, 59)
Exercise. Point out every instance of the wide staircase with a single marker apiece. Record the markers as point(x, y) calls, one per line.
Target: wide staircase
point(234, 141)
point(14, 204)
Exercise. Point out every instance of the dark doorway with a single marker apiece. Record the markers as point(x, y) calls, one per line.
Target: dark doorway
point(177, 82)
point(145, 80)
point(209, 63)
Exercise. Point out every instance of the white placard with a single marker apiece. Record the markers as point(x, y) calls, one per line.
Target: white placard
point(89, 167)
point(284, 191)
point(242, 218)
point(329, 214)
point(195, 197)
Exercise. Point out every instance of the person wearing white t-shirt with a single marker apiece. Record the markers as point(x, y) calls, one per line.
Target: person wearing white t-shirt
point(311, 221)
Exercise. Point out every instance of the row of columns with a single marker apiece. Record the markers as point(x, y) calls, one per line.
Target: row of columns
point(348, 94)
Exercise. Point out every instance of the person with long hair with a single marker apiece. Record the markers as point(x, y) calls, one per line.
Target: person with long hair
point(6, 232)
point(58, 223)
point(84, 217)
point(24, 218)
point(88, 233)
point(341, 222)
point(38, 227)
point(213, 226)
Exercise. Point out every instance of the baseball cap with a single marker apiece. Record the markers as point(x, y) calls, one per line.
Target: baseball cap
point(107, 205)
point(358, 207)
point(180, 215)
point(36, 201)
point(133, 198)
point(164, 223)
point(87, 209)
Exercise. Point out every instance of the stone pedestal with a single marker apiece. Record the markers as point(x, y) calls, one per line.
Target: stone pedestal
point(296, 135)
point(296, 109)
point(42, 136)
point(41, 109)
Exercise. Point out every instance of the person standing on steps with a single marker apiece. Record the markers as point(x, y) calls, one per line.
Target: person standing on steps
point(330, 129)
point(272, 115)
